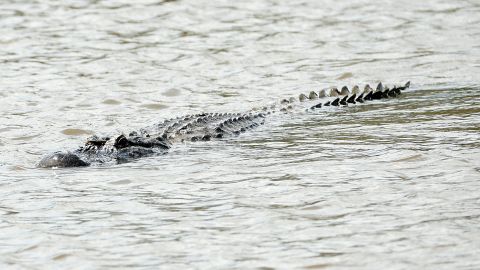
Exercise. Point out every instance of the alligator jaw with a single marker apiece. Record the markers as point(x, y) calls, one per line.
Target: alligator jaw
point(61, 160)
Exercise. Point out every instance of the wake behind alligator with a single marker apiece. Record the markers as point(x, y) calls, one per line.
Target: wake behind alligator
point(159, 138)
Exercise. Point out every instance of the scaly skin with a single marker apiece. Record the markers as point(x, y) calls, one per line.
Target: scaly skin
point(159, 138)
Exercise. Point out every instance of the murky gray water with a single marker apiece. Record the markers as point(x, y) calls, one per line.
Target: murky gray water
point(386, 185)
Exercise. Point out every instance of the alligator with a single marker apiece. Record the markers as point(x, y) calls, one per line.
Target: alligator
point(159, 138)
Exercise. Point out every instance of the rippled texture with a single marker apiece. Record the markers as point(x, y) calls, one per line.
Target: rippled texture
point(389, 184)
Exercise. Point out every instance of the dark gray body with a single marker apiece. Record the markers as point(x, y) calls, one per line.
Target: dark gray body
point(159, 138)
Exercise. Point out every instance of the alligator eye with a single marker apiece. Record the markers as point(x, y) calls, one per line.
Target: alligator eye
point(121, 142)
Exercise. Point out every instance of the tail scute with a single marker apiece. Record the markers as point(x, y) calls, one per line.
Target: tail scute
point(379, 87)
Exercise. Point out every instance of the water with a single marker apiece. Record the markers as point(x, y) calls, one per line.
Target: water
point(386, 185)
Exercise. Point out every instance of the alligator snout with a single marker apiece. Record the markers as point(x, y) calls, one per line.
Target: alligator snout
point(59, 159)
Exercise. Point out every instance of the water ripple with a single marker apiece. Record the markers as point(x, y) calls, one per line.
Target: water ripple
point(386, 185)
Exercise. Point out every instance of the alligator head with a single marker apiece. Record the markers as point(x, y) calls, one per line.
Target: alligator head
point(101, 150)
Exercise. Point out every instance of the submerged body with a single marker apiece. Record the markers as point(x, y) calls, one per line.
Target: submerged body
point(159, 138)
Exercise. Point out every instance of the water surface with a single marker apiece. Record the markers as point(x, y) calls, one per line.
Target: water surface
point(386, 185)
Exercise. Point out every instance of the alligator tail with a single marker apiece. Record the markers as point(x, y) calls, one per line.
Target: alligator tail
point(358, 96)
